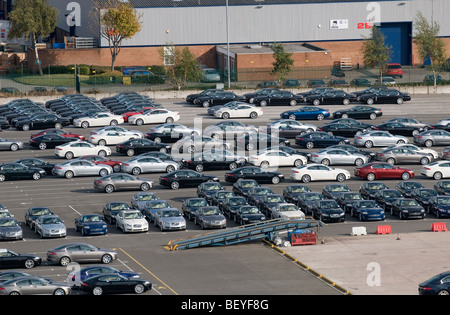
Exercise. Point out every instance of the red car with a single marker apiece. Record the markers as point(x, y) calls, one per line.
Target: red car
point(97, 159)
point(128, 114)
point(54, 131)
point(381, 170)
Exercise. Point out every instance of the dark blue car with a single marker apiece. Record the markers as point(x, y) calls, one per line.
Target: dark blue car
point(367, 210)
point(439, 205)
point(319, 139)
point(91, 224)
point(306, 112)
point(437, 285)
point(76, 277)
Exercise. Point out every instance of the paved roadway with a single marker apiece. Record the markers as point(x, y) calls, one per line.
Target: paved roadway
point(253, 268)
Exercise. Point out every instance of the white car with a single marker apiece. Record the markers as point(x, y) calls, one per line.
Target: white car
point(131, 221)
point(73, 149)
point(239, 111)
point(109, 137)
point(286, 211)
point(317, 172)
point(436, 170)
point(274, 158)
point(154, 116)
point(128, 132)
point(98, 120)
point(378, 138)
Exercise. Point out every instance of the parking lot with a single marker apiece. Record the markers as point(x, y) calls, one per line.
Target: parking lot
point(244, 269)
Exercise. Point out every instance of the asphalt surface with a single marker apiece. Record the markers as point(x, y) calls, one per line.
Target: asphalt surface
point(250, 268)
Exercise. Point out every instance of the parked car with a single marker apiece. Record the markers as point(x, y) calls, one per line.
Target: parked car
point(80, 252)
point(18, 171)
point(114, 283)
point(394, 70)
point(231, 204)
point(43, 120)
point(229, 130)
point(255, 194)
point(385, 198)
point(152, 206)
point(242, 110)
point(30, 285)
point(436, 170)
point(319, 139)
point(131, 221)
point(242, 186)
point(210, 217)
point(369, 189)
point(406, 187)
point(332, 191)
point(286, 211)
point(208, 189)
point(191, 97)
point(98, 119)
point(436, 285)
point(272, 158)
point(382, 170)
point(154, 116)
point(318, 172)
point(331, 97)
point(250, 97)
point(248, 215)
point(378, 138)
point(91, 224)
point(278, 98)
point(49, 141)
point(259, 141)
point(327, 211)
point(191, 205)
point(147, 164)
point(268, 202)
point(10, 229)
point(210, 75)
point(195, 143)
point(100, 160)
point(306, 112)
point(307, 199)
point(360, 82)
point(398, 155)
point(11, 259)
point(342, 130)
point(367, 210)
point(347, 199)
point(139, 146)
point(50, 225)
point(385, 96)
point(11, 145)
point(33, 213)
point(407, 208)
point(332, 156)
point(77, 168)
point(122, 181)
point(109, 137)
point(291, 192)
point(169, 219)
point(397, 128)
point(212, 161)
point(289, 128)
point(79, 148)
point(256, 173)
point(359, 112)
point(439, 205)
point(185, 178)
point(422, 195)
point(37, 163)
point(432, 137)
point(75, 278)
point(218, 98)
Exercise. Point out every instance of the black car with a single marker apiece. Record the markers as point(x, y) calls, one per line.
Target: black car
point(423, 195)
point(243, 186)
point(218, 98)
point(254, 172)
point(278, 98)
point(315, 91)
point(346, 200)
point(331, 97)
point(111, 209)
point(191, 205)
point(359, 112)
point(260, 141)
point(397, 128)
point(208, 189)
point(385, 97)
point(168, 133)
point(442, 187)
point(219, 196)
point(292, 192)
point(49, 141)
point(369, 189)
point(385, 198)
point(369, 90)
point(439, 205)
point(319, 139)
point(307, 199)
point(327, 211)
point(342, 130)
point(436, 285)
point(248, 215)
point(407, 208)
point(191, 97)
point(231, 204)
point(42, 121)
point(11, 171)
point(352, 122)
point(138, 146)
point(332, 191)
point(114, 283)
point(33, 213)
point(37, 163)
point(185, 178)
point(256, 193)
point(213, 161)
point(250, 97)
point(4, 123)
point(267, 202)
point(10, 259)
point(406, 187)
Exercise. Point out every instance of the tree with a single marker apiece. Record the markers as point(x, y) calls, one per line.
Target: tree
point(181, 65)
point(283, 61)
point(118, 21)
point(32, 19)
point(429, 45)
point(376, 52)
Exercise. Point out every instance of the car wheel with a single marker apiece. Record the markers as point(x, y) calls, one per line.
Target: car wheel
point(263, 103)
point(369, 101)
point(109, 189)
point(37, 176)
point(415, 132)
point(253, 115)
point(359, 162)
point(64, 261)
point(250, 146)
point(232, 166)
point(175, 185)
point(139, 288)
point(205, 104)
point(368, 144)
point(437, 175)
point(42, 146)
point(170, 168)
point(316, 102)
point(399, 101)
point(102, 153)
point(293, 102)
point(406, 176)
point(275, 180)
point(106, 259)
point(391, 161)
point(157, 140)
point(320, 117)
point(340, 177)
point(68, 174)
point(298, 163)
point(199, 168)
point(102, 142)
point(443, 292)
point(371, 176)
point(69, 155)
point(325, 162)
point(346, 101)
point(145, 187)
point(29, 263)
point(429, 143)
point(373, 116)
point(103, 172)
point(292, 117)
point(306, 178)
point(130, 152)
point(139, 122)
point(58, 126)
point(169, 120)
point(2, 177)
point(344, 116)
point(26, 127)
point(59, 291)
point(310, 145)
point(113, 123)
point(264, 164)
point(136, 170)
point(97, 291)
point(84, 124)
point(424, 161)
point(117, 168)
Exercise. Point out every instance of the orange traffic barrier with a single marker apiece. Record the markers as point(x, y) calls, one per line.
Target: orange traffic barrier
point(303, 238)
point(383, 229)
point(438, 227)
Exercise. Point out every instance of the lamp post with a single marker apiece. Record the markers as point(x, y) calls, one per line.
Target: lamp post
point(228, 46)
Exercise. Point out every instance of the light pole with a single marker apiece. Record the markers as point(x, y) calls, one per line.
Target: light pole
point(228, 46)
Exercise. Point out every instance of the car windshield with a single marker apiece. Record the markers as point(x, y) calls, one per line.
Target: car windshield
point(376, 186)
point(198, 203)
point(92, 218)
point(159, 204)
point(443, 201)
point(299, 189)
point(237, 201)
point(338, 188)
point(368, 204)
point(4, 214)
point(211, 211)
point(212, 186)
point(263, 191)
point(392, 194)
point(352, 197)
point(52, 220)
point(406, 203)
point(7, 222)
point(171, 213)
point(119, 206)
point(249, 184)
point(312, 197)
point(225, 194)
point(428, 193)
point(329, 204)
point(288, 208)
point(146, 197)
point(250, 210)
point(446, 185)
point(413, 185)
point(275, 199)
point(132, 215)
point(40, 211)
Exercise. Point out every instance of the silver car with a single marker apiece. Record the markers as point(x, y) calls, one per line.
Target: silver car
point(402, 155)
point(331, 156)
point(140, 199)
point(50, 226)
point(122, 181)
point(378, 138)
point(210, 217)
point(81, 168)
point(169, 219)
point(10, 229)
point(29, 285)
point(80, 252)
point(229, 130)
point(12, 145)
point(195, 143)
point(433, 137)
point(148, 164)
